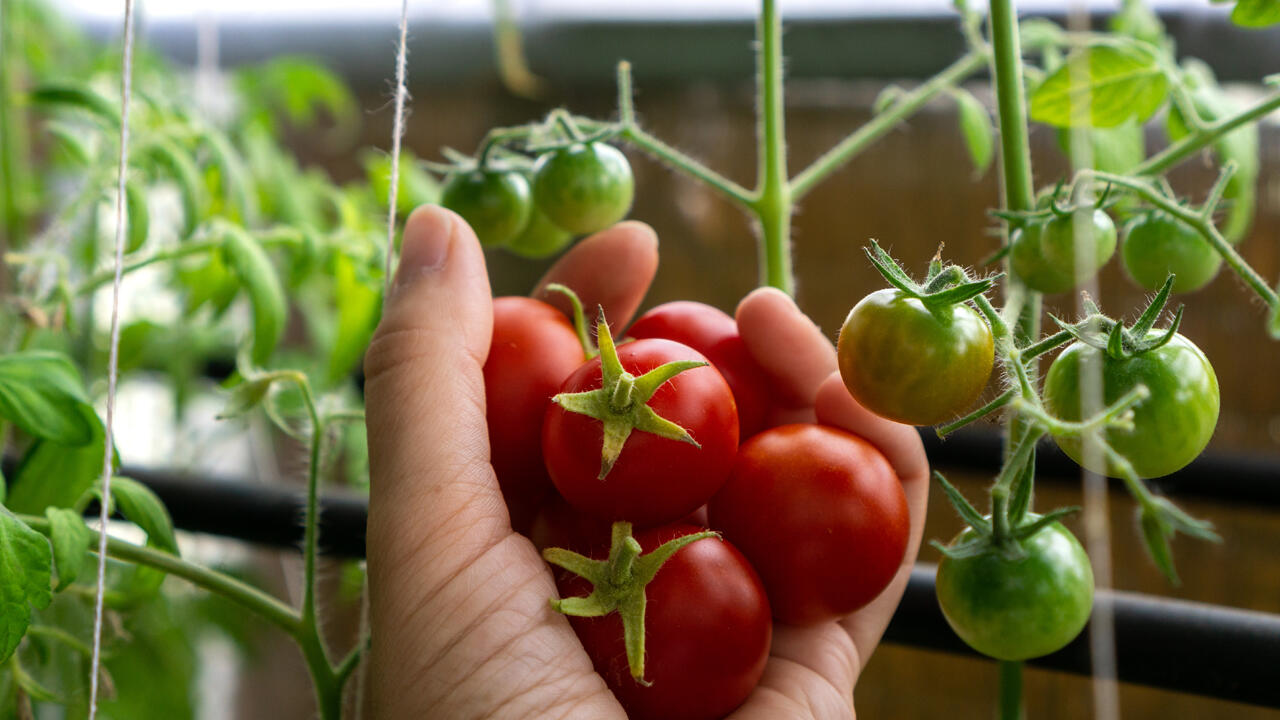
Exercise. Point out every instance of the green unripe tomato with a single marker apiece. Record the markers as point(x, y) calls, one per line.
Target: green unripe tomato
point(1045, 254)
point(1018, 609)
point(1156, 244)
point(540, 238)
point(1170, 428)
point(904, 362)
point(585, 187)
point(495, 203)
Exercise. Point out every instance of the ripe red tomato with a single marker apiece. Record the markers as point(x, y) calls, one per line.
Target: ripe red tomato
point(534, 349)
point(707, 632)
point(713, 333)
point(655, 480)
point(821, 516)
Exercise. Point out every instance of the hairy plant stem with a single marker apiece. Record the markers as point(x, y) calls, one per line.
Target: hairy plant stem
point(14, 180)
point(1201, 138)
point(773, 202)
point(1019, 195)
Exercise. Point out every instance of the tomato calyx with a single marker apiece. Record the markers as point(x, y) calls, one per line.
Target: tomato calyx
point(1112, 337)
point(1007, 526)
point(618, 584)
point(621, 402)
point(943, 287)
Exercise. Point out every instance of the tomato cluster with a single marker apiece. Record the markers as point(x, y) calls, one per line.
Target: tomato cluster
point(575, 190)
point(667, 435)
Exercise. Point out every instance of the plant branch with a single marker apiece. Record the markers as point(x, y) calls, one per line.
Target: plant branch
point(1197, 140)
point(879, 126)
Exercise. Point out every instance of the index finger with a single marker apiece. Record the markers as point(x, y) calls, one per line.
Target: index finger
point(611, 269)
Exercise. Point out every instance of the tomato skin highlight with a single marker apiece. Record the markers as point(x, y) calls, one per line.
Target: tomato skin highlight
point(1156, 244)
point(910, 365)
point(496, 204)
point(714, 333)
point(707, 632)
point(654, 480)
point(585, 187)
point(821, 516)
point(1171, 427)
point(534, 349)
point(1019, 609)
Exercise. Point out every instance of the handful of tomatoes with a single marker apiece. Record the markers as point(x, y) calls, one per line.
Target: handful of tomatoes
point(684, 525)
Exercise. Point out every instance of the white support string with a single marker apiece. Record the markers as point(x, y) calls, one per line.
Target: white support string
point(397, 133)
point(113, 364)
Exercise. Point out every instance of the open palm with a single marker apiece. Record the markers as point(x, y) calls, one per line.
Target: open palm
point(459, 616)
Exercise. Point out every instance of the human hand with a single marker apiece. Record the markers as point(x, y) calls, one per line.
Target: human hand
point(459, 616)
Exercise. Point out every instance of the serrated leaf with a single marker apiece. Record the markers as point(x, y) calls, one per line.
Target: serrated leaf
point(1256, 13)
point(70, 538)
point(42, 394)
point(1123, 83)
point(26, 570)
point(140, 506)
point(975, 125)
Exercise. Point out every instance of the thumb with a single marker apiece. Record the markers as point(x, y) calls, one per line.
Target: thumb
point(430, 478)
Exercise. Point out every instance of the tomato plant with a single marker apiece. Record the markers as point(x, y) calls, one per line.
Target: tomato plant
point(1019, 602)
point(1170, 428)
point(911, 364)
point(821, 516)
point(714, 334)
point(534, 348)
point(1156, 245)
point(1057, 254)
point(496, 204)
point(584, 187)
point(703, 625)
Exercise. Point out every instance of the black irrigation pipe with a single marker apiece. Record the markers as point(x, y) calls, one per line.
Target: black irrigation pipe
point(1232, 478)
point(1189, 647)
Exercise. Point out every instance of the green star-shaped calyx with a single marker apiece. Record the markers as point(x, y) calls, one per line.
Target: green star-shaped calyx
point(621, 401)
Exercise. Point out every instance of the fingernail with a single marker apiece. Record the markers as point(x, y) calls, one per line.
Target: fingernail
point(428, 234)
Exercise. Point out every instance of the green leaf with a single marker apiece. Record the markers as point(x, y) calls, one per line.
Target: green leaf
point(1156, 535)
point(70, 538)
point(26, 570)
point(1256, 13)
point(41, 393)
point(1137, 20)
point(1115, 150)
point(1039, 33)
point(1123, 83)
point(179, 167)
point(359, 303)
point(138, 219)
point(140, 506)
point(73, 143)
point(247, 396)
point(80, 97)
point(55, 474)
point(266, 294)
point(975, 124)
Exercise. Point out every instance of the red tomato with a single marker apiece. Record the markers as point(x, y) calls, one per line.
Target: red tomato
point(821, 516)
point(534, 349)
point(713, 333)
point(655, 480)
point(707, 632)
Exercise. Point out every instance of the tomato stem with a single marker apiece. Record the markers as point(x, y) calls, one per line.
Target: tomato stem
point(773, 205)
point(1010, 690)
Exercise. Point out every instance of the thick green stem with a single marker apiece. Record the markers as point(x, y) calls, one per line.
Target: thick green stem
point(773, 204)
point(881, 124)
point(1010, 690)
point(246, 596)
